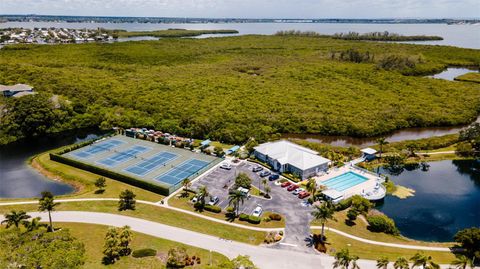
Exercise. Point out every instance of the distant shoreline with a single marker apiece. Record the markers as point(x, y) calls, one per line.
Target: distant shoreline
point(107, 19)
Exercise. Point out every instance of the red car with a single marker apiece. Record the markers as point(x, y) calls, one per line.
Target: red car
point(286, 184)
point(303, 194)
point(292, 187)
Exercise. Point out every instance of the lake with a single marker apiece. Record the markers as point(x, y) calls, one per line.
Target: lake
point(19, 180)
point(447, 199)
point(465, 36)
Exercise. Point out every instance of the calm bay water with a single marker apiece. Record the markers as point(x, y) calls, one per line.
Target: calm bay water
point(447, 199)
point(18, 179)
point(465, 36)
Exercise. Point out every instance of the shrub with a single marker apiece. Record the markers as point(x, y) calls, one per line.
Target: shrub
point(254, 220)
point(213, 208)
point(344, 204)
point(382, 224)
point(177, 258)
point(230, 209)
point(198, 206)
point(144, 252)
point(275, 216)
point(243, 217)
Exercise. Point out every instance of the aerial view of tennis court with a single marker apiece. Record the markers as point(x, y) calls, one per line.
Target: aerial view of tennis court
point(144, 160)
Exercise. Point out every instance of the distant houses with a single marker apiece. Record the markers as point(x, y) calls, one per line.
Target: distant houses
point(16, 91)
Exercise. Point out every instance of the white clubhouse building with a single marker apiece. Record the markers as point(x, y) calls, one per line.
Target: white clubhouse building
point(285, 156)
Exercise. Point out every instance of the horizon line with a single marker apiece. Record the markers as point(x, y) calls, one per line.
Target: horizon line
point(245, 18)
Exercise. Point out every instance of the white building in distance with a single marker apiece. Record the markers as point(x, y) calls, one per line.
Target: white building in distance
point(288, 157)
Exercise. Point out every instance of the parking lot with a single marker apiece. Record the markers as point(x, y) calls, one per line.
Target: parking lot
point(297, 216)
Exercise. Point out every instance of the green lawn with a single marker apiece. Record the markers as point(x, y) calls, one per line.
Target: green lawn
point(360, 230)
point(84, 181)
point(160, 215)
point(373, 252)
point(183, 203)
point(92, 236)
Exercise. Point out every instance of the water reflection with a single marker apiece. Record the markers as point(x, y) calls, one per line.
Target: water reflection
point(18, 179)
point(447, 199)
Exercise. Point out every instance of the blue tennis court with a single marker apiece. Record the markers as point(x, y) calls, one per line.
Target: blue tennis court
point(123, 156)
point(182, 171)
point(97, 148)
point(150, 164)
point(344, 181)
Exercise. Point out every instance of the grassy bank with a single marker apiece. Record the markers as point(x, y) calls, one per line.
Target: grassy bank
point(83, 181)
point(93, 235)
point(469, 77)
point(373, 252)
point(360, 230)
point(192, 86)
point(160, 215)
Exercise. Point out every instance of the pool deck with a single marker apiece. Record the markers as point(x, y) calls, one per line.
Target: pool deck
point(366, 189)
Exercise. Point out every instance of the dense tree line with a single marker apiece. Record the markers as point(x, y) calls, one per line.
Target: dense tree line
point(199, 88)
point(372, 36)
point(384, 36)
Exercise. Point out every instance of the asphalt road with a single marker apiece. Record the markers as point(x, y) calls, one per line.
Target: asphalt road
point(263, 257)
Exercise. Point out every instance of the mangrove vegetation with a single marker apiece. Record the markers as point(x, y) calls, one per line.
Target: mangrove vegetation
point(233, 88)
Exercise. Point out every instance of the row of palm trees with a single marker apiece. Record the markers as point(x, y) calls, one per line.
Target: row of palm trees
point(45, 204)
point(345, 260)
point(235, 198)
point(17, 218)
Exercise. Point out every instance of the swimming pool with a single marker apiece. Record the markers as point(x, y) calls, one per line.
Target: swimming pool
point(344, 181)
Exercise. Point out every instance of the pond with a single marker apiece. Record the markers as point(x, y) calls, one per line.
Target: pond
point(447, 199)
point(19, 180)
point(452, 72)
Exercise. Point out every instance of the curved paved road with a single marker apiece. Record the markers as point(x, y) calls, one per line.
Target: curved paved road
point(415, 247)
point(265, 258)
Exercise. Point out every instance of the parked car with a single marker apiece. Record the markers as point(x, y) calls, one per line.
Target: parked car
point(303, 194)
point(213, 200)
point(257, 169)
point(196, 198)
point(244, 191)
point(273, 177)
point(265, 173)
point(286, 184)
point(298, 191)
point(226, 166)
point(257, 211)
point(292, 187)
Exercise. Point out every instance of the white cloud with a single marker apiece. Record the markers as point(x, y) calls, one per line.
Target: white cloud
point(249, 8)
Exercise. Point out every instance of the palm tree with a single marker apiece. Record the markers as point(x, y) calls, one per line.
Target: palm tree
point(203, 192)
point(311, 186)
point(462, 262)
point(343, 260)
point(264, 183)
point(401, 263)
point(235, 198)
point(33, 225)
point(186, 184)
point(15, 218)
point(382, 142)
point(382, 263)
point(267, 191)
point(324, 213)
point(426, 262)
point(47, 203)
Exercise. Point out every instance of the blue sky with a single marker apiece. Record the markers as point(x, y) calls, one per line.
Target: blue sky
point(250, 8)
